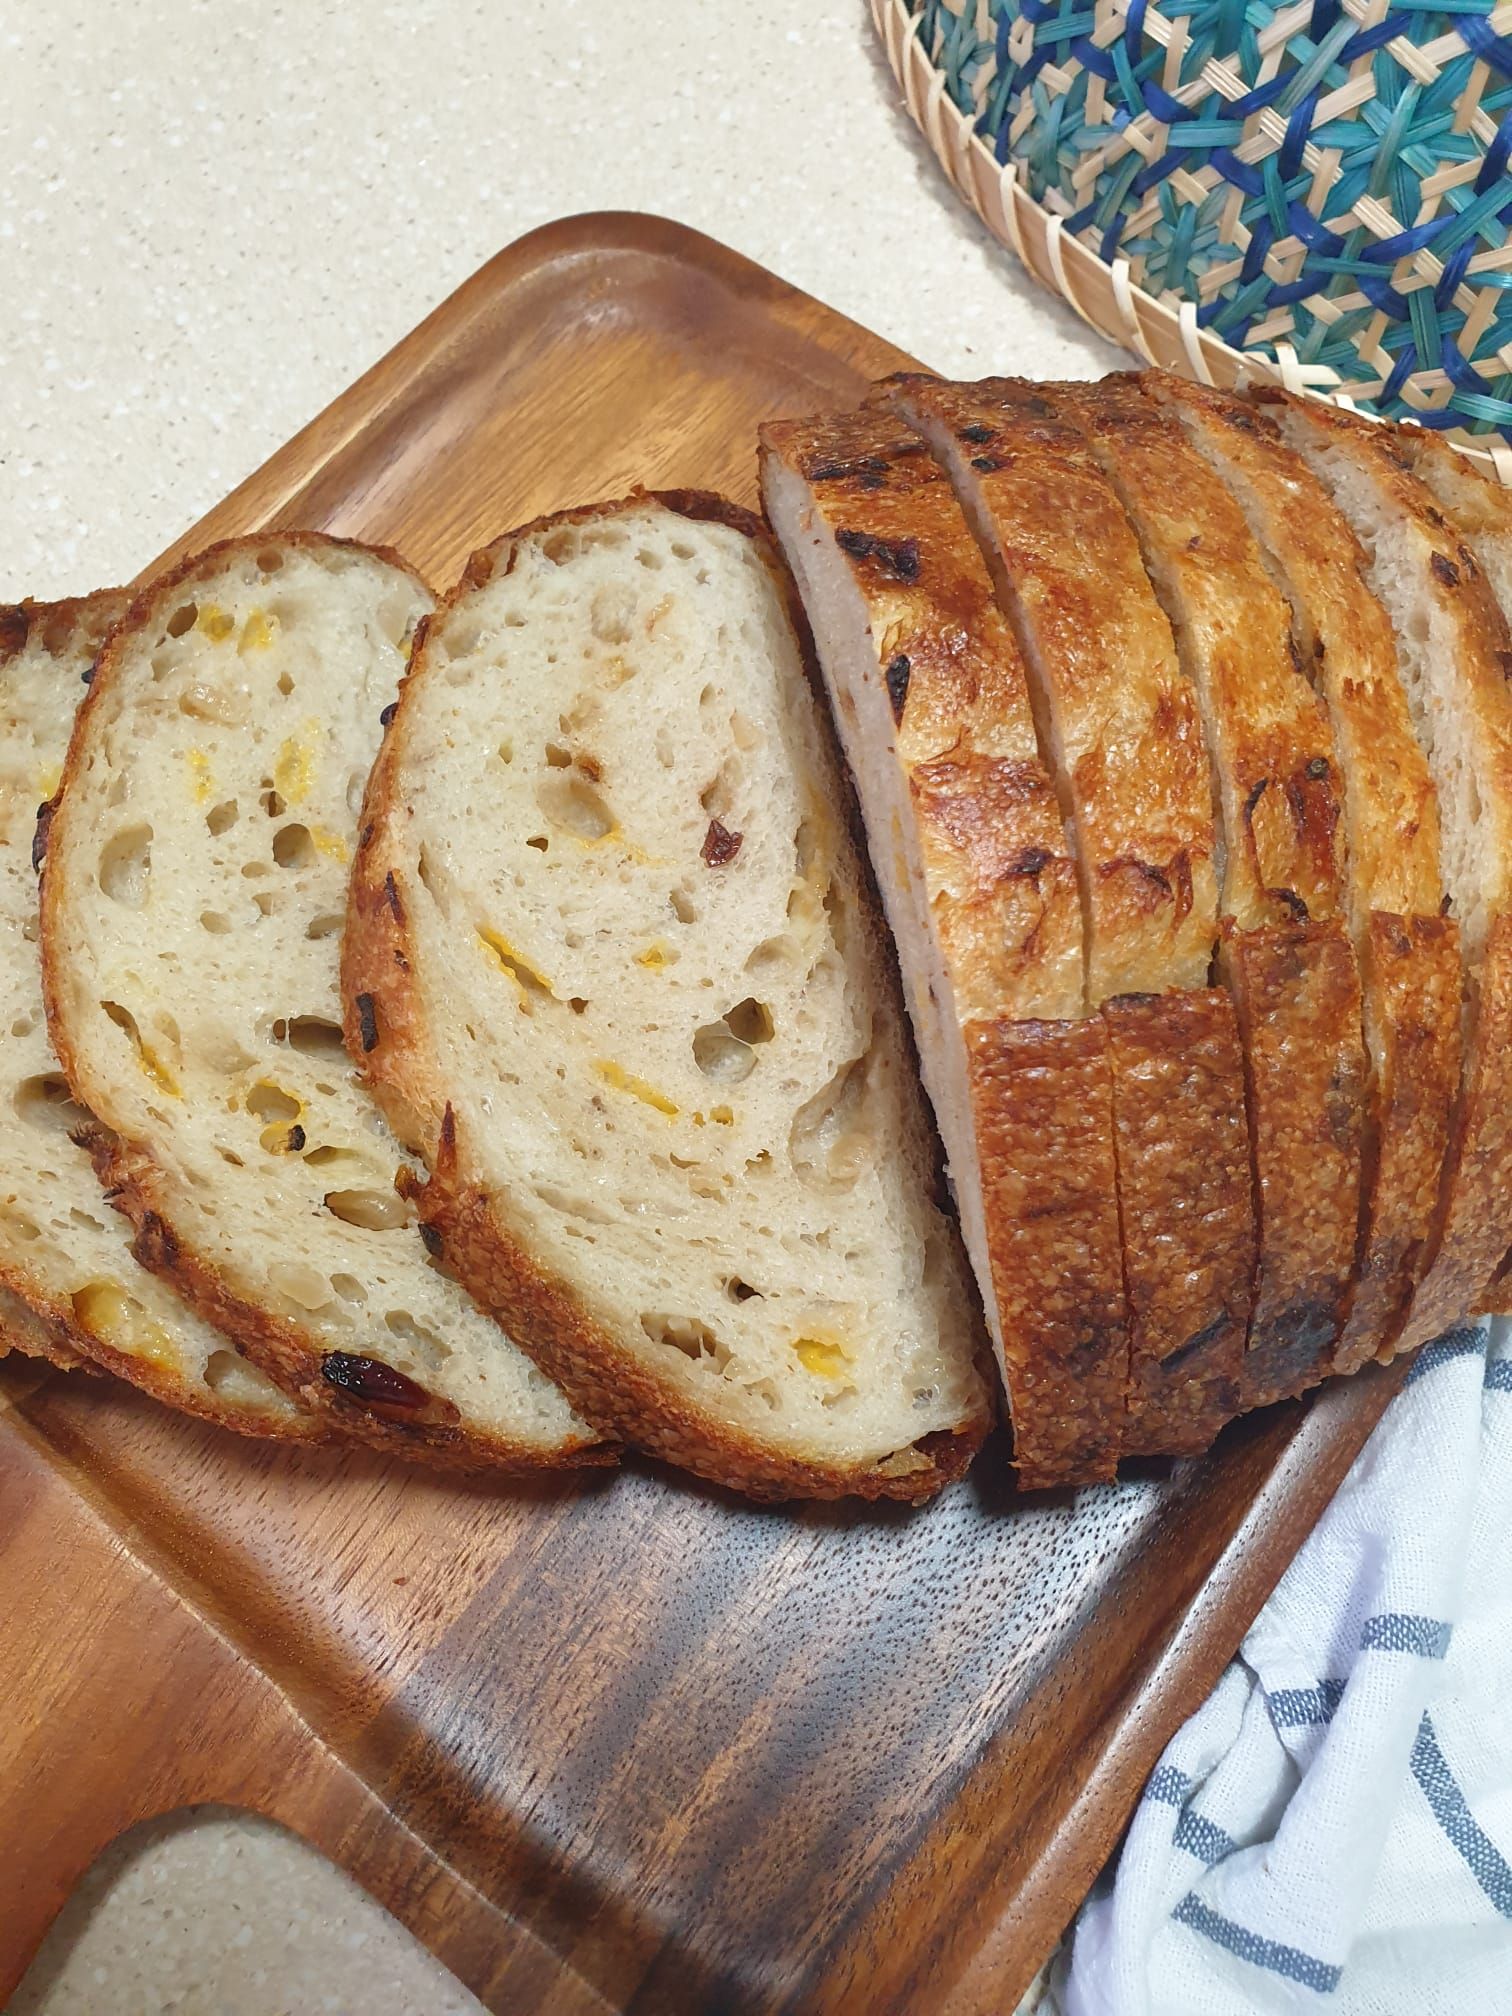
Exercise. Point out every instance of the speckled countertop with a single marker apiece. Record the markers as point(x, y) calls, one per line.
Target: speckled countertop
point(212, 218)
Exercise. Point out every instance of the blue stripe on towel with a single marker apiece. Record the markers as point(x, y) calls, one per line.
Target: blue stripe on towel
point(1484, 1859)
point(1168, 1785)
point(1203, 1838)
point(1459, 1343)
point(1246, 1945)
point(1499, 1376)
point(1399, 1631)
point(1297, 1707)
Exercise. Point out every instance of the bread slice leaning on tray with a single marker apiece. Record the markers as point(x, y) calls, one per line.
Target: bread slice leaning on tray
point(1054, 1114)
point(613, 968)
point(73, 1292)
point(193, 899)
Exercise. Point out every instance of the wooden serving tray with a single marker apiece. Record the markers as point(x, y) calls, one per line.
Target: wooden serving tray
point(623, 1743)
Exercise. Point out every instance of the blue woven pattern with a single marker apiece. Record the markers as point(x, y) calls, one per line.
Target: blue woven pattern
point(1310, 176)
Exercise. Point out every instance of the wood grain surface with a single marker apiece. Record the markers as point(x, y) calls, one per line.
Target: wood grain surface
point(620, 1743)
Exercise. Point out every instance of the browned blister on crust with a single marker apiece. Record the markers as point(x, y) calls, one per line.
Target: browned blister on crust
point(1115, 714)
point(1002, 883)
point(1477, 1191)
point(1297, 992)
point(1042, 1098)
point(1186, 1207)
point(1411, 982)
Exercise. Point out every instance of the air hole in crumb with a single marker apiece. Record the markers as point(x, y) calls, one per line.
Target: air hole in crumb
point(751, 1021)
point(285, 684)
point(578, 1005)
point(183, 619)
point(558, 757)
point(267, 901)
point(270, 1103)
point(650, 559)
point(221, 818)
point(348, 1287)
point(694, 1339)
point(44, 1103)
point(293, 847)
point(326, 925)
point(722, 1056)
point(574, 806)
point(216, 922)
point(424, 1342)
point(683, 908)
point(681, 549)
point(125, 865)
point(270, 560)
point(740, 1291)
point(539, 842)
point(829, 1140)
point(312, 1036)
point(272, 803)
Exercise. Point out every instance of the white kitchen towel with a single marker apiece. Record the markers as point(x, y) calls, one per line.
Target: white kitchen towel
point(1332, 1831)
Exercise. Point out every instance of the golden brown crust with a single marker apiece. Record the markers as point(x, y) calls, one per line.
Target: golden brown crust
point(133, 1176)
point(1297, 992)
point(23, 1329)
point(1187, 1212)
point(1115, 710)
point(1270, 735)
point(387, 1038)
point(1476, 1199)
point(1452, 576)
point(1391, 808)
point(1411, 980)
point(1042, 1101)
point(1001, 880)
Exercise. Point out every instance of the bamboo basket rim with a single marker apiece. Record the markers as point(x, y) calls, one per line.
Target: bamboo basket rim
point(1103, 293)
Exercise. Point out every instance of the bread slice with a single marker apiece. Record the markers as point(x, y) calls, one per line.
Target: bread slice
point(614, 970)
point(1454, 650)
point(1407, 949)
point(193, 901)
point(929, 696)
point(72, 1290)
point(1118, 724)
point(1480, 510)
point(1285, 953)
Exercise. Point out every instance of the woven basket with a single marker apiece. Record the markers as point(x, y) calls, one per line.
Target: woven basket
point(1322, 224)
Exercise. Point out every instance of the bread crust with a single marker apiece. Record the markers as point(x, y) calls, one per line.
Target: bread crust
point(1186, 1206)
point(386, 1036)
point(1408, 951)
point(1117, 714)
point(1410, 974)
point(1476, 1197)
point(1297, 991)
point(134, 1178)
point(1002, 879)
point(1042, 1098)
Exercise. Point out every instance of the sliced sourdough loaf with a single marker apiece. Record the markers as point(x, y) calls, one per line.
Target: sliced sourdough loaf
point(613, 967)
point(1453, 649)
point(1118, 728)
point(73, 1290)
point(1285, 953)
point(193, 900)
point(1407, 949)
point(928, 693)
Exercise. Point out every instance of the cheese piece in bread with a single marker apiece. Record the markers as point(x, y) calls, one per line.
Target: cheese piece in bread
point(928, 693)
point(1407, 949)
point(1120, 731)
point(193, 901)
point(1285, 953)
point(614, 969)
